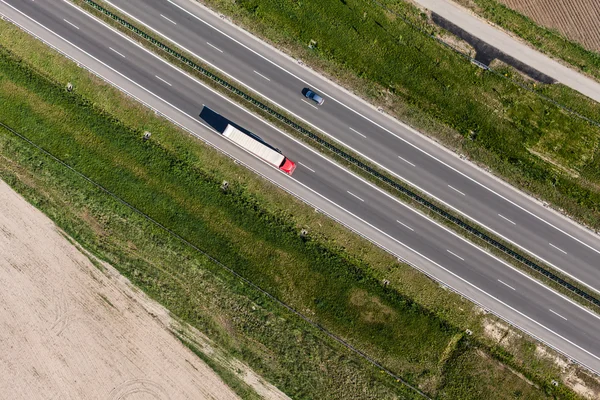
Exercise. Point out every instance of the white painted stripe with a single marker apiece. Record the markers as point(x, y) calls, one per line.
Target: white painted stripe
point(456, 190)
point(312, 105)
point(261, 75)
point(70, 23)
point(383, 128)
point(310, 169)
point(404, 225)
point(559, 249)
point(455, 255)
point(554, 312)
point(117, 52)
point(171, 21)
point(355, 195)
point(355, 131)
point(506, 284)
point(159, 78)
point(214, 47)
point(503, 217)
point(406, 161)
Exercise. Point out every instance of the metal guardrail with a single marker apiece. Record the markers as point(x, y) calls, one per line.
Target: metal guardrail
point(407, 192)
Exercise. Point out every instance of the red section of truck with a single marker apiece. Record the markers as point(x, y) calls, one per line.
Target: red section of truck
point(288, 166)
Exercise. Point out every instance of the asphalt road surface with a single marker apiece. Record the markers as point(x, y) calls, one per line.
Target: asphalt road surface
point(355, 203)
point(391, 145)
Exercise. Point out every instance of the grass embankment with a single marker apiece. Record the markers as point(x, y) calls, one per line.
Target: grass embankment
point(549, 41)
point(412, 326)
point(381, 183)
point(529, 142)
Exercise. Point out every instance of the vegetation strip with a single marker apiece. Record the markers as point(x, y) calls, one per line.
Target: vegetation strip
point(221, 265)
point(402, 189)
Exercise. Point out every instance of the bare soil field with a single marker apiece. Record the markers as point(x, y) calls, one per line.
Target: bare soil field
point(70, 329)
point(578, 20)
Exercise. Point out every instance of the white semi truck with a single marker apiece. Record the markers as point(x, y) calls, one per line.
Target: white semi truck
point(260, 149)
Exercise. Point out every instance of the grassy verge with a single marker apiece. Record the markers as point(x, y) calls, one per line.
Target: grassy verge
point(412, 326)
point(351, 166)
point(529, 142)
point(549, 41)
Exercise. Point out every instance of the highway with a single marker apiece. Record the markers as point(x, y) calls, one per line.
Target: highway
point(387, 143)
point(360, 206)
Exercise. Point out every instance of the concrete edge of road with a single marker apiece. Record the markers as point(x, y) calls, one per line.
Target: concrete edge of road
point(456, 156)
point(522, 263)
point(265, 173)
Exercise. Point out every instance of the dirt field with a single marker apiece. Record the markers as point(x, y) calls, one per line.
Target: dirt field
point(579, 20)
point(71, 331)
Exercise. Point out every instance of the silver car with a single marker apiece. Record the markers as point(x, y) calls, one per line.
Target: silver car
point(314, 97)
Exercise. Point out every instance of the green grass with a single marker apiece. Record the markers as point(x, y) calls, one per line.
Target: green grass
point(547, 40)
point(413, 327)
point(529, 142)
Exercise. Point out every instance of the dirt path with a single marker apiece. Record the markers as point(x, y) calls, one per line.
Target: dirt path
point(512, 47)
point(70, 331)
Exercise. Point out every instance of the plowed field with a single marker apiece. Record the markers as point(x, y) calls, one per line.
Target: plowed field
point(578, 20)
point(70, 330)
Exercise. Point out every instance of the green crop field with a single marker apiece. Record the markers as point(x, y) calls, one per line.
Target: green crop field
point(412, 327)
point(372, 50)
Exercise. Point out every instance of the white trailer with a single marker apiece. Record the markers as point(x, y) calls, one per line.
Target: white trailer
point(259, 149)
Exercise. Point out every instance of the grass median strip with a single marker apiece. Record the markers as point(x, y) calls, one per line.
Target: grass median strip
point(406, 193)
point(251, 228)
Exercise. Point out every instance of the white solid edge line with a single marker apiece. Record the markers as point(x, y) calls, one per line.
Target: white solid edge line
point(332, 162)
point(161, 79)
point(404, 225)
point(70, 23)
point(170, 20)
point(318, 194)
point(455, 255)
point(506, 284)
point(555, 313)
point(352, 194)
point(398, 137)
